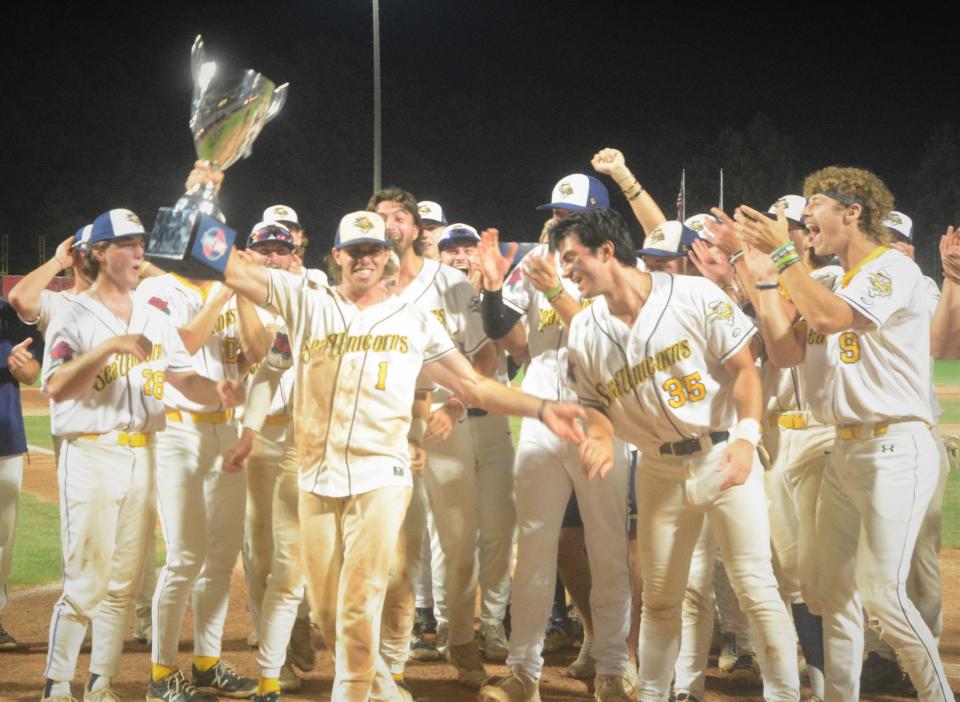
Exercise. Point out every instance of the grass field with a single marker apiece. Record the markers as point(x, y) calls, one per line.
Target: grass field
point(36, 552)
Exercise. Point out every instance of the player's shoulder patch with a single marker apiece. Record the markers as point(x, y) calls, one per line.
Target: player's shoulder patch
point(720, 311)
point(280, 354)
point(62, 352)
point(160, 304)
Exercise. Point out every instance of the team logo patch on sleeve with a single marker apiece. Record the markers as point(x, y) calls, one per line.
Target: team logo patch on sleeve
point(62, 352)
point(160, 304)
point(720, 311)
point(281, 355)
point(881, 285)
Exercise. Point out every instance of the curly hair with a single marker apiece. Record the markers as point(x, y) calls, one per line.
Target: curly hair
point(855, 185)
point(408, 202)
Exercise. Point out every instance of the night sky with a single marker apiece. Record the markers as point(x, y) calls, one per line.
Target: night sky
point(485, 104)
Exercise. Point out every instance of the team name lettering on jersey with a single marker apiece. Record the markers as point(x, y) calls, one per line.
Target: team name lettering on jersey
point(226, 319)
point(813, 338)
point(121, 365)
point(630, 377)
point(550, 318)
point(341, 343)
point(440, 314)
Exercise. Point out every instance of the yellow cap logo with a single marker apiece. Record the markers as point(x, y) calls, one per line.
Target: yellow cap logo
point(895, 218)
point(656, 236)
point(363, 224)
point(565, 190)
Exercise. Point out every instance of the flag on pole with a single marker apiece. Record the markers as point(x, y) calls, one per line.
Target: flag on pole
point(721, 190)
point(682, 196)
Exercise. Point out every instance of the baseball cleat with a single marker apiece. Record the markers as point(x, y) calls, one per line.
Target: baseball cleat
point(223, 680)
point(746, 670)
point(7, 642)
point(423, 650)
point(300, 650)
point(517, 686)
point(493, 642)
point(176, 688)
point(289, 680)
point(466, 659)
point(104, 694)
point(614, 688)
point(879, 673)
point(585, 666)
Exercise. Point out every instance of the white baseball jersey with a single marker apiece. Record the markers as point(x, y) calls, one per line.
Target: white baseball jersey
point(880, 374)
point(51, 303)
point(356, 372)
point(783, 388)
point(127, 395)
point(546, 375)
point(448, 295)
point(181, 300)
point(662, 379)
point(932, 293)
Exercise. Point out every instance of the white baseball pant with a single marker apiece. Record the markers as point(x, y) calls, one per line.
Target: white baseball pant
point(11, 478)
point(107, 514)
point(873, 500)
point(201, 513)
point(667, 532)
point(547, 471)
point(348, 545)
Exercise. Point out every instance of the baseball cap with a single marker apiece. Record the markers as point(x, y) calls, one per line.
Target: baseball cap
point(578, 192)
point(900, 225)
point(792, 208)
point(698, 224)
point(115, 224)
point(360, 228)
point(669, 240)
point(81, 240)
point(281, 213)
point(270, 231)
point(431, 212)
point(456, 233)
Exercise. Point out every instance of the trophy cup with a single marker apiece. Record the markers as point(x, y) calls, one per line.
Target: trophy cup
point(228, 110)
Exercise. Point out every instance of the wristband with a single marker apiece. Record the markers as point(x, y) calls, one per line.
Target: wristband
point(418, 427)
point(541, 409)
point(636, 194)
point(785, 256)
point(767, 285)
point(734, 257)
point(748, 430)
point(554, 291)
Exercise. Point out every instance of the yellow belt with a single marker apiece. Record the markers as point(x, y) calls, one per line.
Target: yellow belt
point(866, 431)
point(788, 421)
point(130, 439)
point(277, 420)
point(200, 417)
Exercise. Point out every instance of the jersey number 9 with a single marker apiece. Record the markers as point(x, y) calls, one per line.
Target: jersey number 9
point(849, 347)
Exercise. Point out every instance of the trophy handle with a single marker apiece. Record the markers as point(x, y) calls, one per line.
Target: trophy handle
point(277, 101)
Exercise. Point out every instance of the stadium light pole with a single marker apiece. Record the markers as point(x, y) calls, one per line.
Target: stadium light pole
point(377, 145)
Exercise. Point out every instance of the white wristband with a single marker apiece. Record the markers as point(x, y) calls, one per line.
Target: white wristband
point(748, 430)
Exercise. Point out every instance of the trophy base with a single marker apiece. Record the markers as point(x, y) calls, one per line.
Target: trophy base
point(190, 243)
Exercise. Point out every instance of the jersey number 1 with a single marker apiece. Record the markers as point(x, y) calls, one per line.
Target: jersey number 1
point(382, 376)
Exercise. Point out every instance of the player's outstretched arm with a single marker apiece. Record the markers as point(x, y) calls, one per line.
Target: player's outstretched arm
point(945, 325)
point(78, 375)
point(25, 295)
point(248, 278)
point(195, 333)
point(612, 163)
point(22, 365)
point(204, 391)
point(596, 451)
point(737, 460)
point(455, 372)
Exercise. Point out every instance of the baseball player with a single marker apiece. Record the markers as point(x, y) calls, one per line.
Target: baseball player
point(20, 347)
point(201, 505)
point(665, 361)
point(547, 473)
point(871, 377)
point(104, 349)
point(358, 354)
point(451, 479)
point(433, 220)
point(493, 449)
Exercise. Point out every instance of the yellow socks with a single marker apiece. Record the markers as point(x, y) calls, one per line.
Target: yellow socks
point(268, 685)
point(162, 671)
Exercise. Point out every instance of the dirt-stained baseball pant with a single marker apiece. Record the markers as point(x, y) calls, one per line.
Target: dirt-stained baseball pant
point(107, 514)
point(667, 532)
point(547, 471)
point(261, 469)
point(283, 599)
point(873, 500)
point(348, 545)
point(11, 478)
point(201, 512)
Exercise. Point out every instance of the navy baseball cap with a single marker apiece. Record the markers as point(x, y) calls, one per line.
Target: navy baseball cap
point(457, 233)
point(116, 224)
point(81, 240)
point(360, 228)
point(669, 240)
point(578, 192)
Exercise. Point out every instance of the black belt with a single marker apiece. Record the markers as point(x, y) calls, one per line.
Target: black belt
point(689, 446)
point(476, 412)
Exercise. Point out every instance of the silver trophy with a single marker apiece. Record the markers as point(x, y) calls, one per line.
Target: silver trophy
point(228, 110)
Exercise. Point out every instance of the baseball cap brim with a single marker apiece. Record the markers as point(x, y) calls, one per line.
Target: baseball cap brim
point(660, 253)
point(793, 223)
point(563, 206)
point(361, 240)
